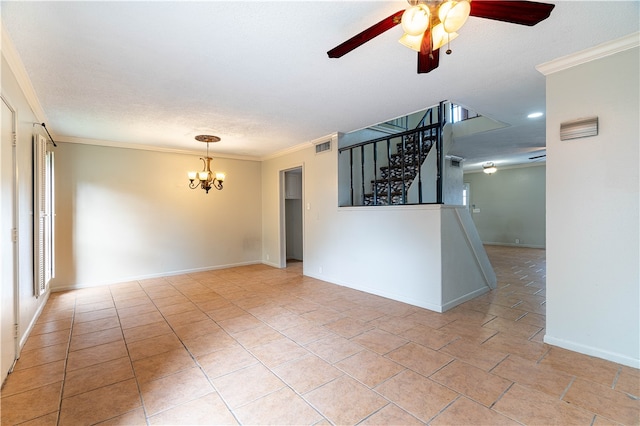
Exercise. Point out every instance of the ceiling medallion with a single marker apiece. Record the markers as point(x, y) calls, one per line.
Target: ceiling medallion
point(207, 138)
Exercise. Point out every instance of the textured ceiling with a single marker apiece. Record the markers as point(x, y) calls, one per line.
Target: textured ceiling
point(257, 74)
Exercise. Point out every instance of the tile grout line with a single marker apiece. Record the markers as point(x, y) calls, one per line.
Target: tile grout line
point(567, 388)
point(142, 404)
point(66, 358)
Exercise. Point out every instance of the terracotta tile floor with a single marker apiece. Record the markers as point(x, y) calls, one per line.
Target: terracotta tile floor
point(257, 345)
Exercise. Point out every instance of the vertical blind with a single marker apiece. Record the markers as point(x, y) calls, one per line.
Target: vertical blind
point(43, 214)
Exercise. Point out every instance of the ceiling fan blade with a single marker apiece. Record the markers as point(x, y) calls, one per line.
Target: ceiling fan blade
point(366, 35)
point(517, 12)
point(428, 60)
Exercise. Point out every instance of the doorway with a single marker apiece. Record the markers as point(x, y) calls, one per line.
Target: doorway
point(8, 241)
point(293, 212)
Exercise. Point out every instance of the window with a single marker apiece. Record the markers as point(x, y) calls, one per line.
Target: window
point(43, 215)
point(465, 195)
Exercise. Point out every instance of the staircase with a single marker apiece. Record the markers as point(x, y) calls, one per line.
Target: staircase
point(396, 178)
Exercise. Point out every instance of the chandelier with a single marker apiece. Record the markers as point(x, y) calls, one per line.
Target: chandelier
point(206, 179)
point(444, 18)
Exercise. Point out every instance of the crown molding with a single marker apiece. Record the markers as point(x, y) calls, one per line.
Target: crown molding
point(596, 52)
point(17, 67)
point(141, 147)
point(333, 137)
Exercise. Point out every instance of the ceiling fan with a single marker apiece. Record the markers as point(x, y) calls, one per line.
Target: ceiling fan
point(430, 24)
point(538, 157)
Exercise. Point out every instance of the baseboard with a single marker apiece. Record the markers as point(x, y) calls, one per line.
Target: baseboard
point(387, 295)
point(59, 288)
point(489, 243)
point(272, 264)
point(32, 323)
point(460, 300)
point(591, 351)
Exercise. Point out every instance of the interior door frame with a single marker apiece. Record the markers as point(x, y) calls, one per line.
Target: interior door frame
point(14, 226)
point(283, 218)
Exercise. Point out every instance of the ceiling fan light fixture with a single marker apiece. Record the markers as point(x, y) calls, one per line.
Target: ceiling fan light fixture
point(440, 37)
point(489, 168)
point(411, 41)
point(453, 14)
point(415, 20)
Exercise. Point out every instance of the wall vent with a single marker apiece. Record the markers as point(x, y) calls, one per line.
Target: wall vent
point(455, 163)
point(323, 147)
point(581, 128)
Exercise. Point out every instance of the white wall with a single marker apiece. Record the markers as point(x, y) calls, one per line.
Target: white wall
point(125, 214)
point(392, 251)
point(29, 306)
point(510, 205)
point(593, 210)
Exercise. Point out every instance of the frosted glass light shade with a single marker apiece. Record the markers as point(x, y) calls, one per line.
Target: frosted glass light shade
point(220, 177)
point(489, 168)
point(203, 175)
point(453, 14)
point(440, 37)
point(415, 20)
point(411, 41)
point(192, 175)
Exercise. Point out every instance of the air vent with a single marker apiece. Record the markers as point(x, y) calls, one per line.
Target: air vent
point(455, 163)
point(323, 147)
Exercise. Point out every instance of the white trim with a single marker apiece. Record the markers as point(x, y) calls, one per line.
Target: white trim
point(34, 320)
point(533, 246)
point(17, 67)
point(151, 276)
point(333, 137)
point(597, 52)
point(125, 145)
point(592, 351)
point(464, 298)
point(514, 166)
point(387, 295)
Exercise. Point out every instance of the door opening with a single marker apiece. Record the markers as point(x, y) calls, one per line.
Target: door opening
point(293, 212)
point(8, 238)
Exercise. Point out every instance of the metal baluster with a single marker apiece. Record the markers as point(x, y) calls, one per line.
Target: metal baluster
point(351, 173)
point(375, 173)
point(402, 158)
point(439, 154)
point(420, 141)
point(362, 171)
point(389, 174)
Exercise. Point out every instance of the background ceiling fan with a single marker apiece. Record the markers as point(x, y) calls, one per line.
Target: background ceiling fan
point(429, 24)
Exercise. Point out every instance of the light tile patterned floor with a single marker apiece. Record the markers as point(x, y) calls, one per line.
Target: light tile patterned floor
point(257, 345)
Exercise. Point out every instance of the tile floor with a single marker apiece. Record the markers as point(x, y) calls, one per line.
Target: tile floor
point(257, 345)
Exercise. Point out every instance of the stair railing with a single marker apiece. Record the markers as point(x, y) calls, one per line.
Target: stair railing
point(410, 153)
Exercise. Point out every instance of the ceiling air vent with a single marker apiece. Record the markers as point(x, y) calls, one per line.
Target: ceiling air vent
point(323, 147)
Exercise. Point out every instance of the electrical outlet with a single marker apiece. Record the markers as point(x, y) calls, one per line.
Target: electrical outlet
point(517, 240)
